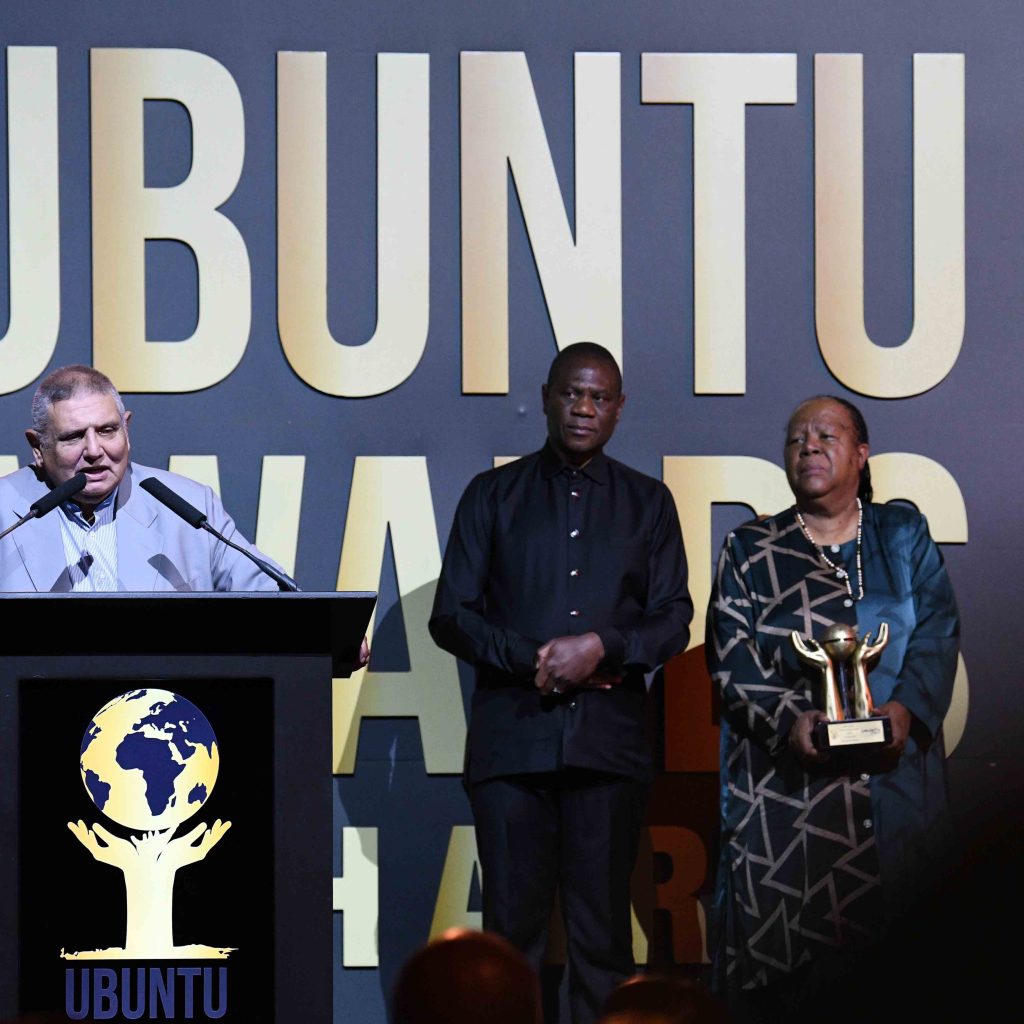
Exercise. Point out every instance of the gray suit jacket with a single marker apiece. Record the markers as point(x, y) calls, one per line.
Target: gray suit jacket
point(156, 550)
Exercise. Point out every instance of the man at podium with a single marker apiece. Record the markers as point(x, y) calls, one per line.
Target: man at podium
point(111, 534)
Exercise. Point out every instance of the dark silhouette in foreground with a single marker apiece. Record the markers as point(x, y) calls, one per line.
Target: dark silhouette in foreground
point(467, 977)
point(652, 999)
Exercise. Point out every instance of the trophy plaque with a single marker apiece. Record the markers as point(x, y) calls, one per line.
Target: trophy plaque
point(843, 662)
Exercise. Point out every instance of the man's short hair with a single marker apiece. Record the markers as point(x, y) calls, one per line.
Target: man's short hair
point(65, 382)
point(588, 350)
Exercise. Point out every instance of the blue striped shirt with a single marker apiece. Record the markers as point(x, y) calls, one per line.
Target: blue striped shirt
point(90, 548)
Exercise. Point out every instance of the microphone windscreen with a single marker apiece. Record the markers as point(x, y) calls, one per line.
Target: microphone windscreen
point(61, 493)
point(175, 502)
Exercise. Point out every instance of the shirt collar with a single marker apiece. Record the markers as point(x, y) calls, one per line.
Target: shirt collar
point(74, 511)
point(552, 464)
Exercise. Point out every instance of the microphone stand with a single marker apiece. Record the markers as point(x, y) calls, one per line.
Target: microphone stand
point(283, 581)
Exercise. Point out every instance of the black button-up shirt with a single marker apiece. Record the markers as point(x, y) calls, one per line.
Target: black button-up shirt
point(538, 550)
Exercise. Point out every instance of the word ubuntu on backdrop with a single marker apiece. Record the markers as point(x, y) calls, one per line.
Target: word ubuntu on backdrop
point(501, 130)
point(167, 993)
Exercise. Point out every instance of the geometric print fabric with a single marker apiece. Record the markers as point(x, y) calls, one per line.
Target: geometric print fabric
point(799, 866)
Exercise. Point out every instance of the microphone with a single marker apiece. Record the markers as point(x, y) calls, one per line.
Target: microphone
point(49, 501)
point(196, 519)
point(175, 502)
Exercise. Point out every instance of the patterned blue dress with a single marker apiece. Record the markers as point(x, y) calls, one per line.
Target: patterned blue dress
point(819, 860)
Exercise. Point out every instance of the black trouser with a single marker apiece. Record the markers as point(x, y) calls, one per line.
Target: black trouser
point(576, 830)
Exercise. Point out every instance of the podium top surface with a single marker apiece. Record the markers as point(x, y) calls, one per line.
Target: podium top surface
point(129, 622)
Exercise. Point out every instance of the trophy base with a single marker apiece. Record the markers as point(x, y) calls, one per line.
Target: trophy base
point(854, 734)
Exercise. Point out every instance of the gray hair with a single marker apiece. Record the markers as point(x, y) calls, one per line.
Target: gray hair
point(63, 383)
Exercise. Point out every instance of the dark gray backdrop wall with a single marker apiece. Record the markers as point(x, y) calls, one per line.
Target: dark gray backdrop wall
point(400, 812)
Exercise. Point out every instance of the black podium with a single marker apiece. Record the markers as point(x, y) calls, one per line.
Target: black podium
point(232, 690)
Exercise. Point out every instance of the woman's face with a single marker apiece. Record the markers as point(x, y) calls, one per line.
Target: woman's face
point(823, 456)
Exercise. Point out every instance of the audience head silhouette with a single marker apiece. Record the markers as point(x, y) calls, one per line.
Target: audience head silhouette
point(649, 999)
point(466, 977)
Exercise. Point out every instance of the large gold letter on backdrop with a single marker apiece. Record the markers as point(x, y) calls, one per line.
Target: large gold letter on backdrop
point(461, 863)
point(678, 893)
point(356, 895)
point(921, 361)
point(125, 213)
point(699, 481)
point(394, 492)
point(582, 278)
point(932, 488)
point(403, 226)
point(33, 223)
point(719, 85)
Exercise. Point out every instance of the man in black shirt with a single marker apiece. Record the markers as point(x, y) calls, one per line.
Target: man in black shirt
point(563, 583)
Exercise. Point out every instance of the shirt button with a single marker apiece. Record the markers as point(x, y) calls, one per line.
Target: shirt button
point(572, 705)
point(574, 494)
point(574, 533)
point(847, 603)
point(574, 572)
point(864, 777)
point(868, 823)
point(575, 613)
point(835, 548)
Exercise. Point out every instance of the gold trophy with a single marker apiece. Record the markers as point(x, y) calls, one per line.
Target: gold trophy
point(844, 663)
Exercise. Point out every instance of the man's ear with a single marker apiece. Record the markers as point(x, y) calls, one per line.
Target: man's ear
point(35, 442)
point(544, 398)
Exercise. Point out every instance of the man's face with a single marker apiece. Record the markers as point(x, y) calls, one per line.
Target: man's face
point(583, 404)
point(85, 435)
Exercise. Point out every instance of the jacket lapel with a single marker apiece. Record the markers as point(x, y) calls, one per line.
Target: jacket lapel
point(42, 551)
point(38, 542)
point(138, 538)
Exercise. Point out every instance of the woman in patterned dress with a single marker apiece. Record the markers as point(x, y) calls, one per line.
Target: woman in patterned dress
point(817, 858)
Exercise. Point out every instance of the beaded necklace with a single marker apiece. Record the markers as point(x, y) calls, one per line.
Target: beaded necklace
point(839, 571)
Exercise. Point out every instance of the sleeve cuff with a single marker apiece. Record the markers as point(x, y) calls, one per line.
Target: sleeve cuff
point(923, 716)
point(524, 656)
point(779, 740)
point(614, 647)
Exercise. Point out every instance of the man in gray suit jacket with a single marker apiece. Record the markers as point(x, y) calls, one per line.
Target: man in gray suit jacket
point(112, 535)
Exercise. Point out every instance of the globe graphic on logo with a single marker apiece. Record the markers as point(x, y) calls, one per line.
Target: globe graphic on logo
point(149, 759)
